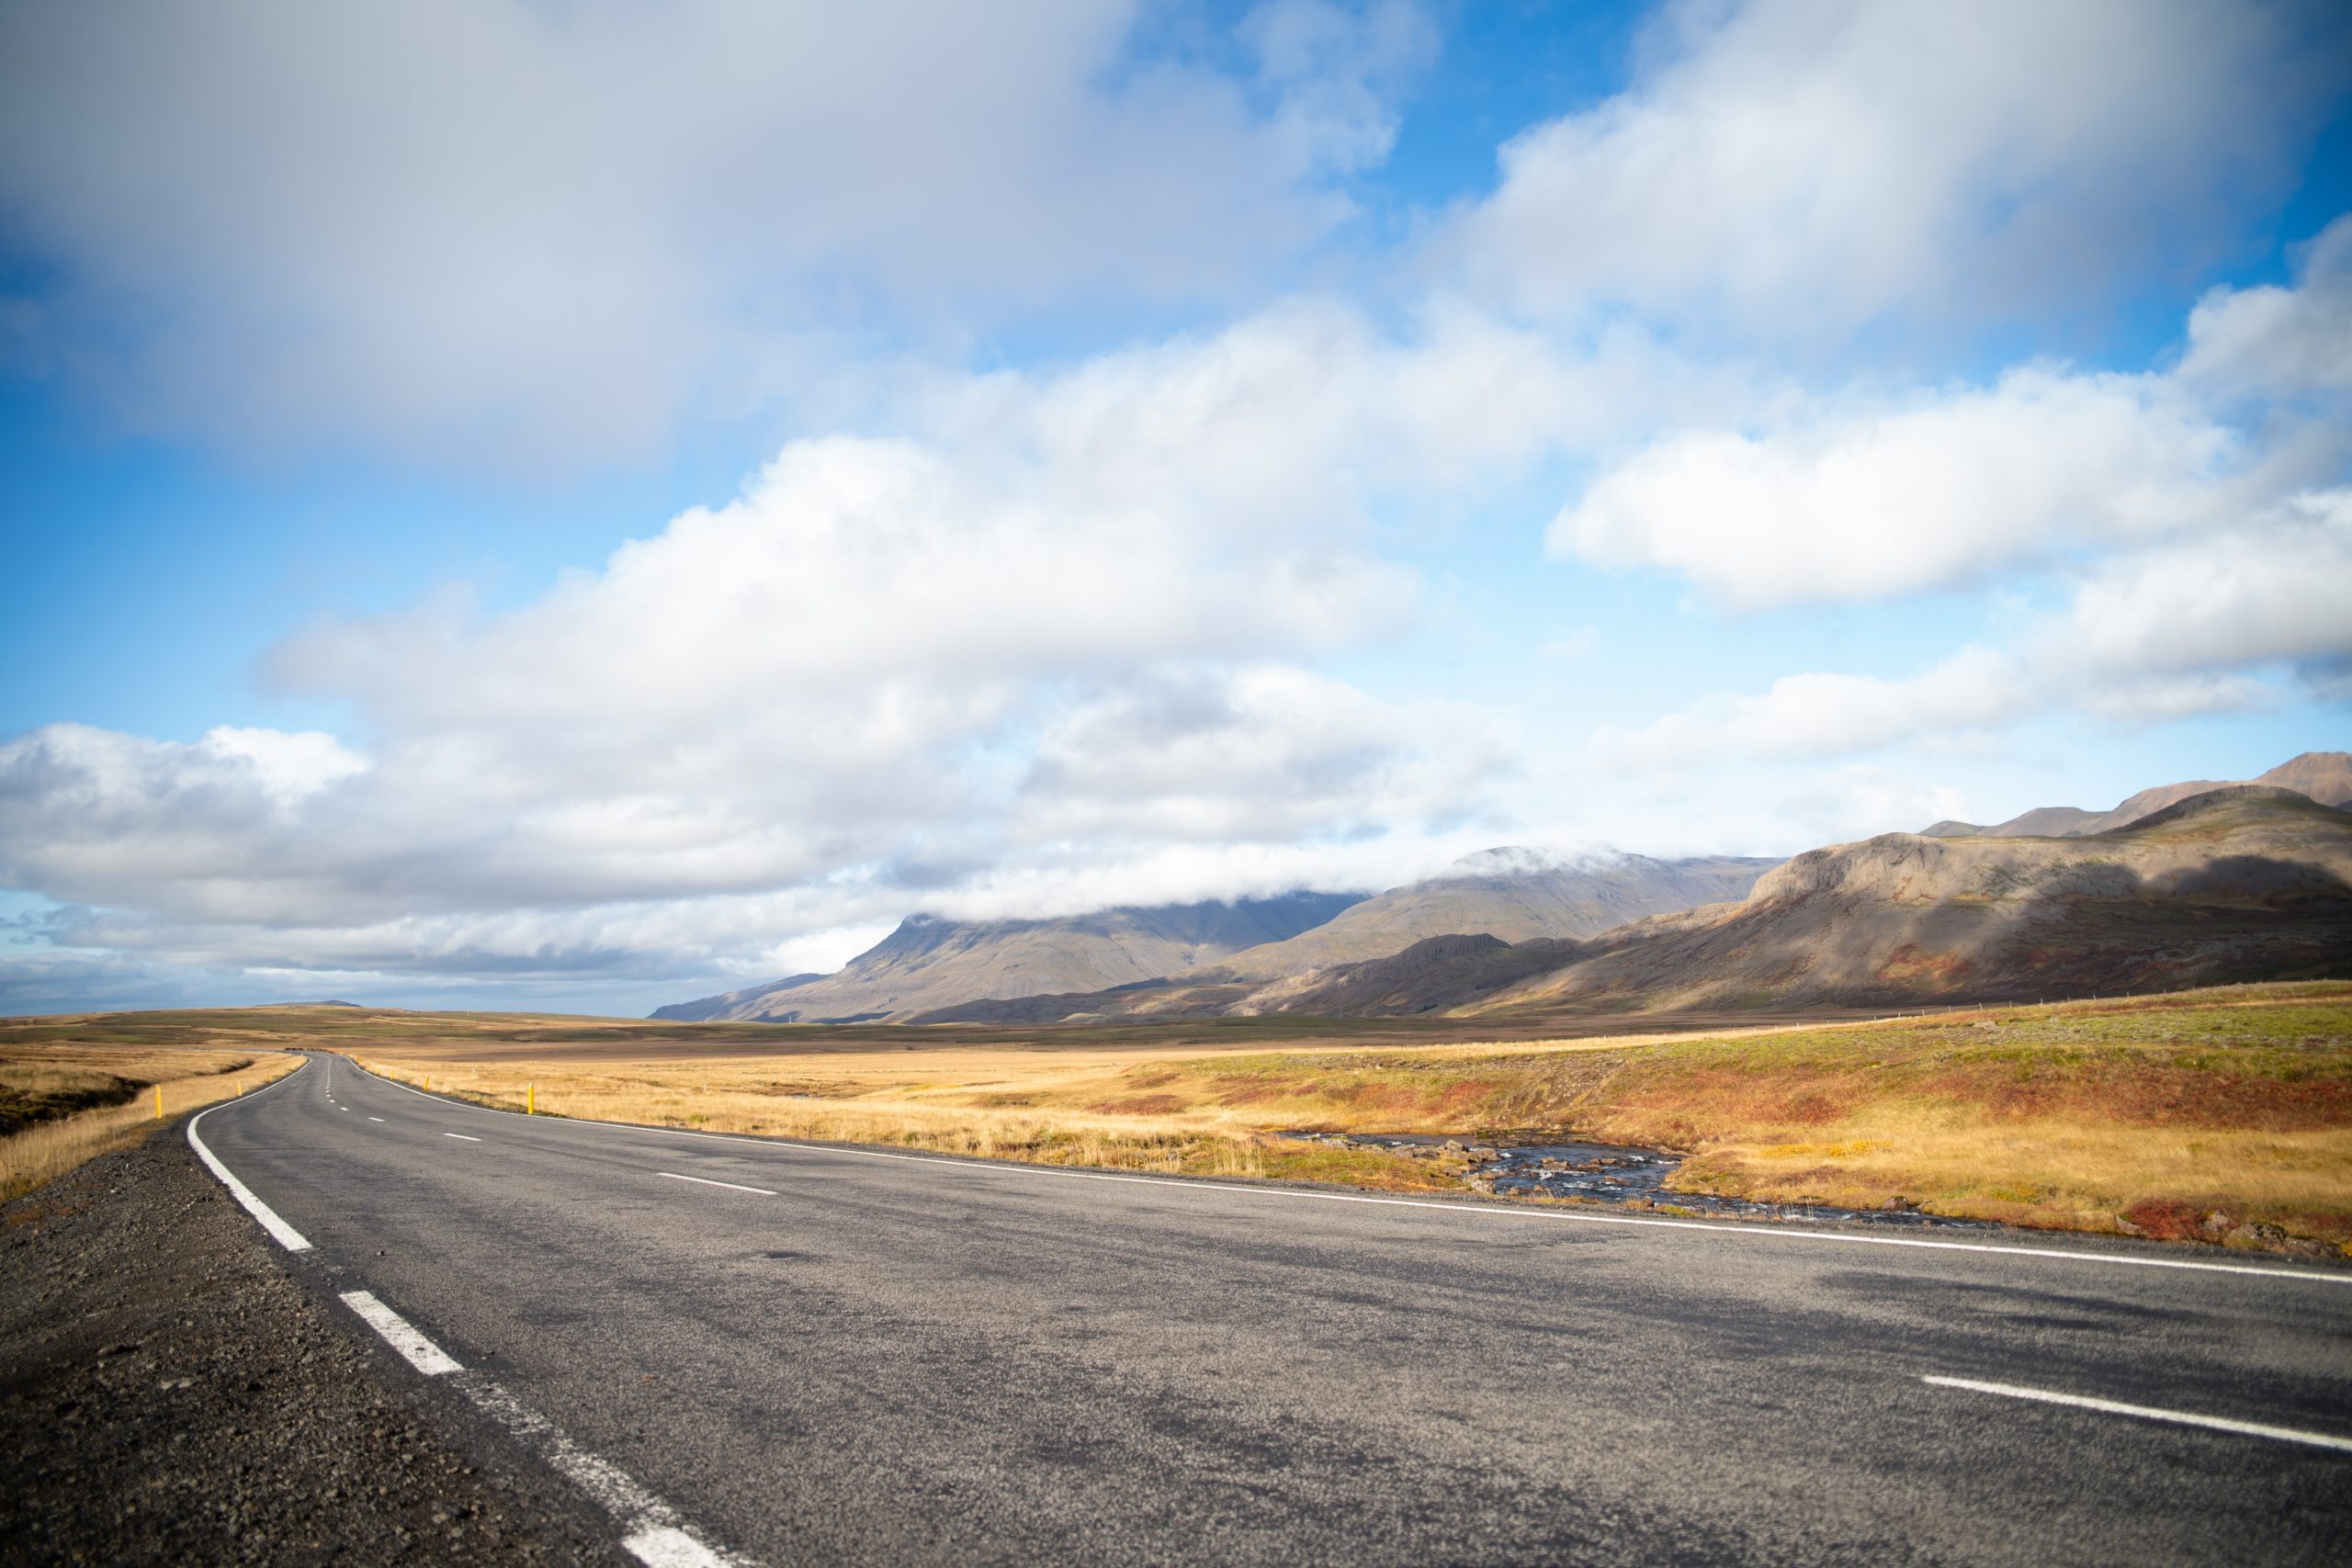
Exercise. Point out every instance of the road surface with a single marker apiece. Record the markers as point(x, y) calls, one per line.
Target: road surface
point(791, 1353)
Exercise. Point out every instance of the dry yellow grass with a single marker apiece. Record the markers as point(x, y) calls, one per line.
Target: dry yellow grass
point(2147, 1114)
point(737, 1096)
point(47, 1088)
point(2077, 1117)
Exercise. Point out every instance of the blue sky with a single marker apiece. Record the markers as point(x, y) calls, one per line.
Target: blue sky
point(512, 506)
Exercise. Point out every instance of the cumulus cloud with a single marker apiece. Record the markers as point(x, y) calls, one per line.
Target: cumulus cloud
point(1942, 488)
point(1035, 641)
point(1053, 649)
point(1785, 168)
point(2176, 630)
point(2280, 343)
point(1872, 493)
point(509, 234)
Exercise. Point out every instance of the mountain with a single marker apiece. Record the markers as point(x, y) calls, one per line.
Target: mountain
point(2246, 882)
point(930, 962)
point(1515, 894)
point(725, 1006)
point(1490, 899)
point(2323, 776)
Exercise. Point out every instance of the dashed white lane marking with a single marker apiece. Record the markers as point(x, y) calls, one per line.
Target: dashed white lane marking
point(471, 1140)
point(656, 1536)
point(286, 1236)
point(1475, 1211)
point(2149, 1413)
point(666, 1546)
point(705, 1180)
point(401, 1335)
point(375, 1119)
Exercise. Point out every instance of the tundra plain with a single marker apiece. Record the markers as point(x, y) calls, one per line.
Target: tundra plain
point(2221, 1116)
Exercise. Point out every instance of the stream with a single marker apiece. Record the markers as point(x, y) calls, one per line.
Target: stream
point(1514, 1166)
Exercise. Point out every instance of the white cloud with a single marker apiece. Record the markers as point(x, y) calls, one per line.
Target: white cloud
point(286, 768)
point(507, 233)
point(1941, 488)
point(2280, 342)
point(1788, 168)
point(1874, 494)
point(1050, 650)
point(2277, 587)
point(2179, 629)
point(1818, 714)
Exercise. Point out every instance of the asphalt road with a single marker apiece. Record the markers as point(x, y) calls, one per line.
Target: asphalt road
point(880, 1357)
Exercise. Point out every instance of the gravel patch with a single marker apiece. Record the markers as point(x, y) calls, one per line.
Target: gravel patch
point(172, 1391)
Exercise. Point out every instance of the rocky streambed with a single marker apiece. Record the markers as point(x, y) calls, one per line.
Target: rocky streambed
point(1535, 1166)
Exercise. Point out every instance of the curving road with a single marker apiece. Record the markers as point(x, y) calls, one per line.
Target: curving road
point(791, 1353)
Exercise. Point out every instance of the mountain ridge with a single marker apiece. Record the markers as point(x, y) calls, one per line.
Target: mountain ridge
point(2244, 883)
point(2322, 776)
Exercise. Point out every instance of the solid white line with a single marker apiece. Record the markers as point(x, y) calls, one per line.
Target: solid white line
point(422, 1353)
point(706, 1181)
point(1756, 1232)
point(286, 1236)
point(655, 1535)
point(2150, 1413)
point(468, 1137)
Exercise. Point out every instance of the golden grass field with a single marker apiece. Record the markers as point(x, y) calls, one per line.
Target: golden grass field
point(66, 1100)
point(2140, 1116)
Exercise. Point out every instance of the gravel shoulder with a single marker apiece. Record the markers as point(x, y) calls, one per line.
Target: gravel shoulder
point(172, 1391)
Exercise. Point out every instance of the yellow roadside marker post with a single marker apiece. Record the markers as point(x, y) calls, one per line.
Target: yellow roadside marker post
point(159, 1103)
point(531, 1100)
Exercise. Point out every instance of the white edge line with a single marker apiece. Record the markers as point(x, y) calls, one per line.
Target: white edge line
point(467, 1136)
point(706, 1181)
point(401, 1335)
point(2148, 1413)
point(286, 1236)
point(1759, 1232)
point(654, 1536)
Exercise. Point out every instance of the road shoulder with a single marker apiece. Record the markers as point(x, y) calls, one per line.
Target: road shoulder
point(170, 1392)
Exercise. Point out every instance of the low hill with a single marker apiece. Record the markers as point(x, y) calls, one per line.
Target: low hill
point(2243, 882)
point(2323, 776)
point(930, 962)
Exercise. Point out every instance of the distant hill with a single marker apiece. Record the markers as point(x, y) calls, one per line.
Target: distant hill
point(2241, 882)
point(2323, 776)
point(930, 962)
point(1515, 894)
